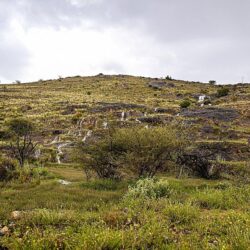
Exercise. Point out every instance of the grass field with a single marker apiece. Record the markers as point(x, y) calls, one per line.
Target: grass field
point(98, 214)
point(94, 215)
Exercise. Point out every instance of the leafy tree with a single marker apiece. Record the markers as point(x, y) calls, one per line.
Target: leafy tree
point(168, 78)
point(139, 151)
point(22, 145)
point(212, 82)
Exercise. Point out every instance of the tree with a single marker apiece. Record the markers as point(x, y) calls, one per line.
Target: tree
point(139, 151)
point(148, 151)
point(99, 156)
point(212, 82)
point(22, 145)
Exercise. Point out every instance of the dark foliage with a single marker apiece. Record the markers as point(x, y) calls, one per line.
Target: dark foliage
point(22, 146)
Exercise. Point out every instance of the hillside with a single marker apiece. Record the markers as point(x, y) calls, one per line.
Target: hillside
point(66, 211)
point(66, 109)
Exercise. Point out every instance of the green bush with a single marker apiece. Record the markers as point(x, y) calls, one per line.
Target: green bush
point(185, 104)
point(133, 151)
point(212, 82)
point(9, 171)
point(148, 188)
point(7, 168)
point(222, 92)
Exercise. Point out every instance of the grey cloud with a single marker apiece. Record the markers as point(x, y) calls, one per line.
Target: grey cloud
point(167, 19)
point(191, 29)
point(14, 59)
point(113, 67)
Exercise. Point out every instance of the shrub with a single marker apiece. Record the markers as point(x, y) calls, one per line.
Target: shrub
point(139, 151)
point(7, 167)
point(148, 188)
point(27, 174)
point(185, 104)
point(222, 92)
point(199, 164)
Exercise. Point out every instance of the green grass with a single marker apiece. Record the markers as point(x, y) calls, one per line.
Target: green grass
point(198, 214)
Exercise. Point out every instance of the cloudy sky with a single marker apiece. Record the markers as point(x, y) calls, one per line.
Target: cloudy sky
point(194, 40)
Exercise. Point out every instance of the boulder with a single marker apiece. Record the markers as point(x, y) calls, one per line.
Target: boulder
point(4, 231)
point(16, 215)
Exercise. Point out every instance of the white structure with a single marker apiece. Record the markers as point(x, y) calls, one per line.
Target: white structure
point(201, 98)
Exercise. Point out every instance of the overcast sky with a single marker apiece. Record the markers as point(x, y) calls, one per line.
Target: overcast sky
point(196, 40)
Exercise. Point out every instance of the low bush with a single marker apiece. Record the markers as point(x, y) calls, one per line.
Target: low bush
point(200, 165)
point(148, 188)
point(222, 92)
point(9, 171)
point(185, 104)
point(7, 168)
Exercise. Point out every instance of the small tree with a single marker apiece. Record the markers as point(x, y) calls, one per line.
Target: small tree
point(212, 82)
point(22, 145)
point(139, 151)
point(148, 151)
point(99, 156)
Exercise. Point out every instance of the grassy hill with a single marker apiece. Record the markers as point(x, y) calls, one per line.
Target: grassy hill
point(98, 214)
